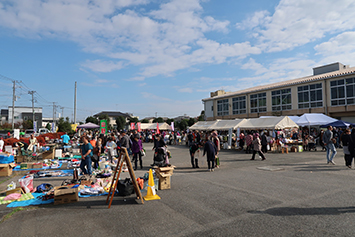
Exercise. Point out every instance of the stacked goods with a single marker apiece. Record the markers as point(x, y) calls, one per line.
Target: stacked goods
point(41, 138)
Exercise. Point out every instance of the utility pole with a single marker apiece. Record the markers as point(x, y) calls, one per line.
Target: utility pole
point(156, 114)
point(13, 104)
point(75, 103)
point(62, 111)
point(54, 106)
point(33, 105)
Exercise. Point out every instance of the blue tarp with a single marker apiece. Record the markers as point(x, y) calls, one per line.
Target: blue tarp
point(33, 202)
point(18, 168)
point(338, 124)
point(6, 159)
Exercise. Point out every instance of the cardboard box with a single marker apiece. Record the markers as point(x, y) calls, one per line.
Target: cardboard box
point(164, 182)
point(26, 165)
point(65, 194)
point(166, 170)
point(16, 190)
point(86, 182)
point(49, 155)
point(20, 159)
point(6, 169)
point(37, 166)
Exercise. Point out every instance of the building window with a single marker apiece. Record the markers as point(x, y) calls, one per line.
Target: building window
point(239, 105)
point(222, 107)
point(342, 92)
point(258, 103)
point(281, 100)
point(310, 96)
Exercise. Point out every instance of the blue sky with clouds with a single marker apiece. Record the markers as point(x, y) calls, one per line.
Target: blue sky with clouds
point(148, 56)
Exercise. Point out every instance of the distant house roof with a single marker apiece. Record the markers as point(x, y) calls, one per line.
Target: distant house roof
point(292, 82)
point(113, 114)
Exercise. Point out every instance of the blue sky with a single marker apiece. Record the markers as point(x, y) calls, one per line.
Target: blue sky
point(150, 56)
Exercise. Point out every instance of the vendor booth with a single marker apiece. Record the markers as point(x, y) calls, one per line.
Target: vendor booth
point(268, 123)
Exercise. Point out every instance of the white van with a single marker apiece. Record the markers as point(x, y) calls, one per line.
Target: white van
point(43, 131)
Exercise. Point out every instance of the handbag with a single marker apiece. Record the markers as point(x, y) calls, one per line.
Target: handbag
point(142, 153)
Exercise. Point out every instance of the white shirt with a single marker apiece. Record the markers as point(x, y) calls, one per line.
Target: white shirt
point(1, 144)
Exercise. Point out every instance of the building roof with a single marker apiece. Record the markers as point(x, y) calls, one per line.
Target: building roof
point(343, 72)
point(113, 114)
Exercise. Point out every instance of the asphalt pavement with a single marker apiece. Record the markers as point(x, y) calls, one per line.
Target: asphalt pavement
point(295, 194)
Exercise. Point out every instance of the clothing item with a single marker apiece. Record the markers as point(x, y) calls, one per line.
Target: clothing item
point(85, 165)
point(327, 137)
point(65, 138)
point(330, 148)
point(210, 149)
point(135, 159)
point(125, 141)
point(257, 144)
point(260, 154)
point(137, 146)
point(85, 148)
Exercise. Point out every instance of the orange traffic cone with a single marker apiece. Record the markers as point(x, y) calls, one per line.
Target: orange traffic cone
point(151, 194)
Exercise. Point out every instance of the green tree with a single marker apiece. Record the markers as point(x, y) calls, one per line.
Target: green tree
point(158, 120)
point(202, 116)
point(120, 122)
point(64, 125)
point(145, 121)
point(169, 121)
point(133, 120)
point(91, 119)
point(49, 127)
point(28, 124)
point(191, 122)
point(182, 125)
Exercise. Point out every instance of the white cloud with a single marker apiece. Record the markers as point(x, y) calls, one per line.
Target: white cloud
point(296, 22)
point(102, 66)
point(152, 96)
point(168, 38)
point(136, 79)
point(185, 90)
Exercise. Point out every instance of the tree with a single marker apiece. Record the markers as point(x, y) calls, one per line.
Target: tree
point(169, 121)
point(182, 125)
point(120, 122)
point(28, 124)
point(191, 122)
point(133, 120)
point(158, 120)
point(91, 119)
point(145, 121)
point(49, 127)
point(202, 116)
point(64, 126)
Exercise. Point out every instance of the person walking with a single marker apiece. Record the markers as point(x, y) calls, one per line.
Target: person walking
point(86, 154)
point(348, 144)
point(329, 145)
point(264, 142)
point(137, 147)
point(210, 149)
point(193, 149)
point(257, 147)
point(249, 143)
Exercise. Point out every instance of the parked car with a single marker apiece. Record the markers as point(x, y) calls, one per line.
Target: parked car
point(29, 132)
point(43, 131)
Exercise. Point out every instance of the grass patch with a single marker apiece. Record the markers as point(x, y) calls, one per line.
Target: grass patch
point(17, 209)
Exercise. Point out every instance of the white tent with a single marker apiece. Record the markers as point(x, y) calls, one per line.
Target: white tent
point(202, 125)
point(153, 126)
point(315, 120)
point(225, 125)
point(268, 123)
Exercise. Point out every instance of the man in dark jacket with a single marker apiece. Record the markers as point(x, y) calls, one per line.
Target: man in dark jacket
point(264, 143)
point(124, 140)
point(194, 161)
point(210, 149)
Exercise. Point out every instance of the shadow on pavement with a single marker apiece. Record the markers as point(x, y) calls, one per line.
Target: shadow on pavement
point(294, 211)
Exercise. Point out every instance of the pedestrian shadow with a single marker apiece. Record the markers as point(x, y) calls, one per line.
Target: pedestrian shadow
point(312, 211)
point(318, 168)
point(186, 170)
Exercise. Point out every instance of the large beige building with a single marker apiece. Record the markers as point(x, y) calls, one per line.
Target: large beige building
point(330, 90)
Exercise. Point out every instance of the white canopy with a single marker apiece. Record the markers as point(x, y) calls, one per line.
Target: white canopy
point(202, 125)
point(282, 122)
point(153, 126)
point(225, 125)
point(314, 119)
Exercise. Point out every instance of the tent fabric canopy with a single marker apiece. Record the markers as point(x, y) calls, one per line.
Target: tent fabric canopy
point(153, 126)
point(315, 120)
point(268, 123)
point(337, 124)
point(88, 125)
point(225, 125)
point(202, 125)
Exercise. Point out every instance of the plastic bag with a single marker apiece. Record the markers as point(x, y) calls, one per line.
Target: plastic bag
point(11, 186)
point(26, 184)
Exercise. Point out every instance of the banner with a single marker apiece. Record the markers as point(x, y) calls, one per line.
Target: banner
point(103, 126)
point(158, 131)
point(230, 132)
point(139, 127)
point(172, 126)
point(132, 126)
point(53, 127)
point(35, 126)
point(17, 133)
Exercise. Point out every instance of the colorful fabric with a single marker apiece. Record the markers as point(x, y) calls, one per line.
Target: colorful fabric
point(36, 200)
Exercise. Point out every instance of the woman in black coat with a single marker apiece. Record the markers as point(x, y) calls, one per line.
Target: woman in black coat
point(210, 149)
